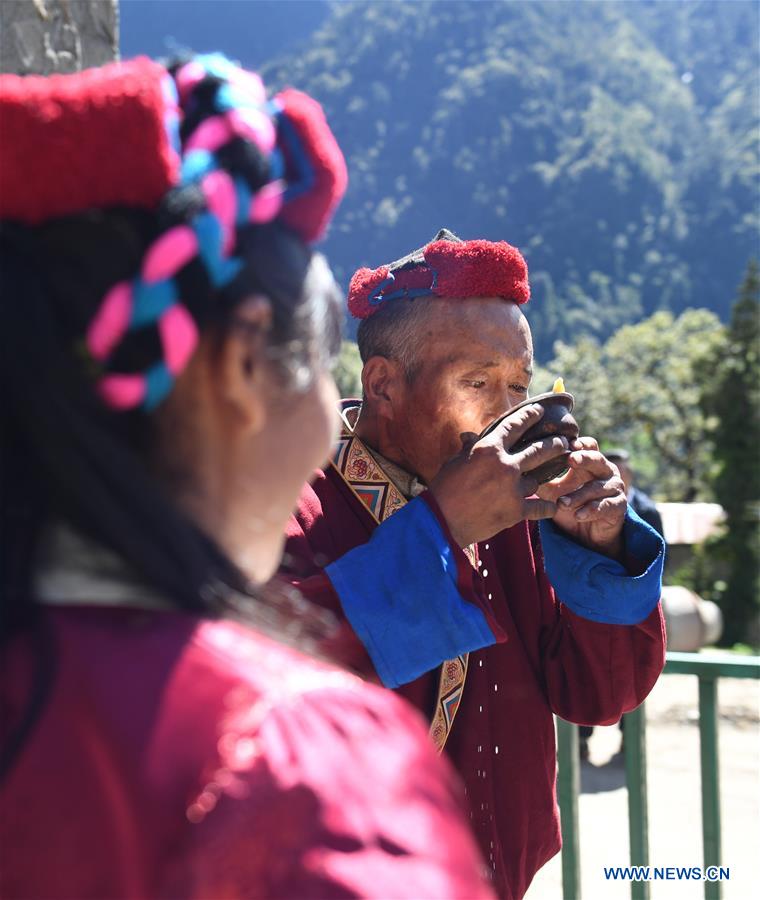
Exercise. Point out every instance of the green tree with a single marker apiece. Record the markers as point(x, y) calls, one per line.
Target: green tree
point(656, 369)
point(582, 368)
point(347, 371)
point(642, 389)
point(733, 398)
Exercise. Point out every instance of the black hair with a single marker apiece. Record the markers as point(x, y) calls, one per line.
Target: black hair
point(65, 455)
point(395, 331)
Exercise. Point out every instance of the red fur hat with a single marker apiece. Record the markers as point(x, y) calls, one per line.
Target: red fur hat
point(201, 137)
point(109, 136)
point(310, 212)
point(90, 140)
point(446, 267)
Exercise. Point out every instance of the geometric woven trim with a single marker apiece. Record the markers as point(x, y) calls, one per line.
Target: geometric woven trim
point(371, 486)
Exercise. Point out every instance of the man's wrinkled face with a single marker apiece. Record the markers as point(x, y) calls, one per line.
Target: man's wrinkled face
point(474, 363)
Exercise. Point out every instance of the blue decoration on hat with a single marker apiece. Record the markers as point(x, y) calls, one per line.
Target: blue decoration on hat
point(221, 270)
point(304, 174)
point(158, 383)
point(196, 164)
point(151, 301)
point(243, 197)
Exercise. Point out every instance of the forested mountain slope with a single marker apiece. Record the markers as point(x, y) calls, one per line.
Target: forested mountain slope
point(615, 143)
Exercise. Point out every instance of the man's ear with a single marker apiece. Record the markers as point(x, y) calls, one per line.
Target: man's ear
point(241, 362)
point(382, 382)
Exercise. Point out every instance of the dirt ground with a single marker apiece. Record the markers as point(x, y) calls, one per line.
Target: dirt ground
point(675, 837)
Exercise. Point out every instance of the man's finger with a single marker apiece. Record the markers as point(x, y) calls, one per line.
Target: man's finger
point(609, 509)
point(567, 483)
point(592, 490)
point(593, 462)
point(514, 425)
point(584, 443)
point(534, 508)
point(542, 451)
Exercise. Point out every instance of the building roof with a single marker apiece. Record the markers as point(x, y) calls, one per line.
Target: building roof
point(690, 523)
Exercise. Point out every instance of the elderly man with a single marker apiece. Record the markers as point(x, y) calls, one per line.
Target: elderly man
point(423, 539)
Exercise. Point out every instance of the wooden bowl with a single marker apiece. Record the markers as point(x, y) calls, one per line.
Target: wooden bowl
point(557, 420)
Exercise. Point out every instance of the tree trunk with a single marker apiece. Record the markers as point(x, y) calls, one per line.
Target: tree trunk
point(46, 36)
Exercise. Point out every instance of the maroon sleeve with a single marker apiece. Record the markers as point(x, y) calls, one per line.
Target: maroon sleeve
point(595, 672)
point(338, 793)
point(329, 523)
point(303, 568)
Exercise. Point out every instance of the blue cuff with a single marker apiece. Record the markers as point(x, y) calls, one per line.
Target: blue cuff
point(399, 592)
point(598, 588)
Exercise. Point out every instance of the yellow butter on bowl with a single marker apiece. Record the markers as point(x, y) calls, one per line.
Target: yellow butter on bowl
point(559, 386)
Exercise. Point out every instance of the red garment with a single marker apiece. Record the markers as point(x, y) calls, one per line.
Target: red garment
point(184, 758)
point(502, 741)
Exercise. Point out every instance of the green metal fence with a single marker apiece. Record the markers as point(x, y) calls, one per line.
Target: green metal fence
point(708, 667)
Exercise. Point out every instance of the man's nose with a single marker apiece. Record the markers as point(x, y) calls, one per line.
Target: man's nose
point(512, 399)
point(509, 400)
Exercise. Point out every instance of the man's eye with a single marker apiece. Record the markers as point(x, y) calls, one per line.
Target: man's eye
point(518, 388)
point(476, 384)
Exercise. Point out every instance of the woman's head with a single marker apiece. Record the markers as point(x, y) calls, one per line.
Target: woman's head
point(166, 368)
point(255, 411)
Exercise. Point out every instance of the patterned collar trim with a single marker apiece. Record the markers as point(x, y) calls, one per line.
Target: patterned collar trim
point(409, 485)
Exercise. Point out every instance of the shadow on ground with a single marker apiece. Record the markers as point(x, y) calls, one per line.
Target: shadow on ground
point(607, 777)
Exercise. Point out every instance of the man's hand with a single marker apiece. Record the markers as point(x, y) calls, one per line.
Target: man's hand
point(590, 498)
point(486, 489)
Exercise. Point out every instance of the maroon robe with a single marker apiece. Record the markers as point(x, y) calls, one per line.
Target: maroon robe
point(502, 741)
point(177, 757)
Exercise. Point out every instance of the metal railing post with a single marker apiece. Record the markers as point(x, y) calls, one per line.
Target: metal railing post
point(708, 752)
point(635, 733)
point(708, 667)
point(568, 788)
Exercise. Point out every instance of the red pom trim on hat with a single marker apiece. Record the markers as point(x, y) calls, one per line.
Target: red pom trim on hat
point(479, 269)
point(448, 269)
point(310, 213)
point(96, 138)
point(364, 285)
